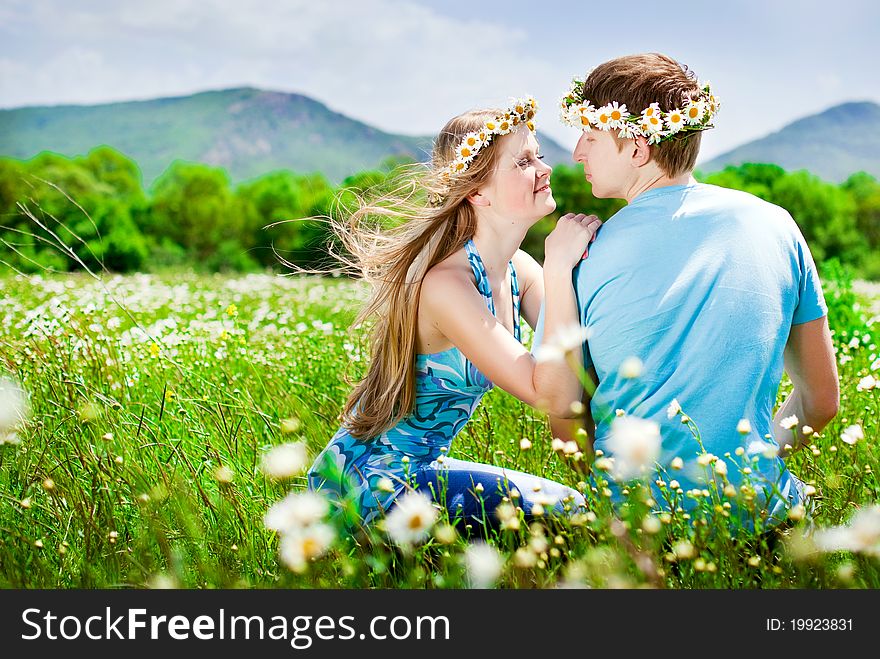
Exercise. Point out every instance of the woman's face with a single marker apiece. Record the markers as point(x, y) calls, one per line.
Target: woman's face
point(520, 185)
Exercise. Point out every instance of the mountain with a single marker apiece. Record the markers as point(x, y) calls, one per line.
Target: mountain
point(247, 131)
point(832, 144)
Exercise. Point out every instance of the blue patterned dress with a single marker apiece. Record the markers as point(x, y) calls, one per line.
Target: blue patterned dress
point(448, 389)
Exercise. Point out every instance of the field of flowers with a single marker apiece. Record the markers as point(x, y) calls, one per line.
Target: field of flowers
point(167, 417)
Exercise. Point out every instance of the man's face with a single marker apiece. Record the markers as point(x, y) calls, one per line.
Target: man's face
point(606, 168)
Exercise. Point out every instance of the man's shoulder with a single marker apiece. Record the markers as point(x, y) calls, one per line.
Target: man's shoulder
point(733, 198)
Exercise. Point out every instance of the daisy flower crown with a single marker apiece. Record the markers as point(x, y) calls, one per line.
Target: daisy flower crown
point(521, 110)
point(655, 124)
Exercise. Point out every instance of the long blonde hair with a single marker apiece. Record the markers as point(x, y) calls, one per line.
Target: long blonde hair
point(392, 242)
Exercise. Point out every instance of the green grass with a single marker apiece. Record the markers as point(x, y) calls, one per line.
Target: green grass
point(142, 386)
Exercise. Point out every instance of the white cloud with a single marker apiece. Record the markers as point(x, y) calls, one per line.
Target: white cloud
point(394, 64)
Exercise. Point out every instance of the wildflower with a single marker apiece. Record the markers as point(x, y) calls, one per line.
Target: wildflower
point(744, 427)
point(674, 409)
point(674, 485)
point(232, 311)
point(577, 408)
point(631, 368)
point(867, 383)
point(677, 463)
point(13, 410)
point(862, 534)
point(755, 561)
point(765, 449)
point(524, 444)
point(570, 447)
point(704, 459)
point(411, 519)
point(224, 474)
point(651, 525)
point(635, 444)
point(729, 491)
point(300, 545)
point(523, 558)
point(796, 513)
point(566, 340)
point(48, 485)
point(557, 444)
point(290, 425)
point(484, 564)
point(295, 510)
point(385, 485)
point(285, 461)
point(683, 550)
point(445, 534)
point(852, 434)
point(721, 467)
point(789, 422)
point(508, 516)
point(807, 430)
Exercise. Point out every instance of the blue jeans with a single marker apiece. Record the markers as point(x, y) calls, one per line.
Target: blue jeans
point(453, 484)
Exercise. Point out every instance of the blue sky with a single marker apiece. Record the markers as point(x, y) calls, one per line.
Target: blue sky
point(406, 66)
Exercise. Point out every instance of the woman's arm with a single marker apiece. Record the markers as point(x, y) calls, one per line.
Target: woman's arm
point(457, 310)
point(556, 380)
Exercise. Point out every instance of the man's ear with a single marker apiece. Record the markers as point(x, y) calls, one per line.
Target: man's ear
point(641, 154)
point(477, 198)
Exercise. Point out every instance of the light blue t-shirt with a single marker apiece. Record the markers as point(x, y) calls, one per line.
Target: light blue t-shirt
point(702, 284)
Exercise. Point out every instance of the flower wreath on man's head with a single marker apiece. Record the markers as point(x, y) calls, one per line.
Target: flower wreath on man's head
point(652, 123)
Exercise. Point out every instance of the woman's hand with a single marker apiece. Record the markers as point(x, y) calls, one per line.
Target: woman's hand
point(569, 241)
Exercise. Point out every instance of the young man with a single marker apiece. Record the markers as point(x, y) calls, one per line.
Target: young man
point(693, 295)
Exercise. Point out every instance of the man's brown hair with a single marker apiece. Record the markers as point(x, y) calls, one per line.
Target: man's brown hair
point(638, 81)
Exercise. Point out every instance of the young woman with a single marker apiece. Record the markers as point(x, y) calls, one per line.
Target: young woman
point(449, 287)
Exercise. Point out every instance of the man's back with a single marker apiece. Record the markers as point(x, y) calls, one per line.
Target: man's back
point(702, 284)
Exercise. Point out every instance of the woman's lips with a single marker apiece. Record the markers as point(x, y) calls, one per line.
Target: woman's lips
point(543, 188)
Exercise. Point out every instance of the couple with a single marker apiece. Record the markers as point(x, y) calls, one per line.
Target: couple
point(711, 290)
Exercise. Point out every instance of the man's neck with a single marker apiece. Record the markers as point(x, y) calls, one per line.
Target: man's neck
point(658, 181)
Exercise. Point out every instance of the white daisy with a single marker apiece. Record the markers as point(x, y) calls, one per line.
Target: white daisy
point(674, 409)
point(657, 137)
point(675, 121)
point(862, 534)
point(465, 152)
point(628, 131)
point(504, 126)
point(296, 510)
point(744, 427)
point(566, 339)
point(652, 110)
point(458, 166)
point(765, 449)
point(694, 111)
point(303, 544)
point(631, 368)
point(852, 434)
point(867, 383)
point(602, 118)
point(618, 114)
point(635, 445)
point(13, 410)
point(789, 422)
point(411, 519)
point(484, 565)
point(285, 461)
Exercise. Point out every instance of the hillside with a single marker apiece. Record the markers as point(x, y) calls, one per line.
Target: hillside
point(832, 144)
point(247, 131)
